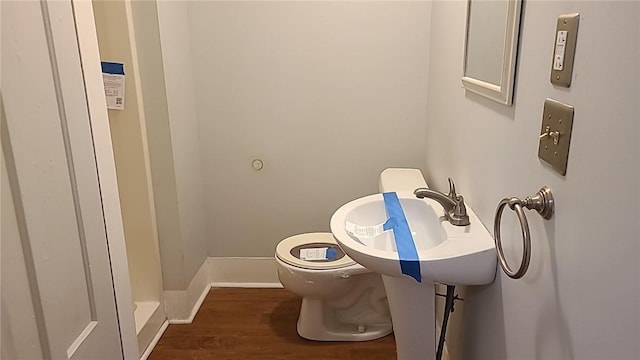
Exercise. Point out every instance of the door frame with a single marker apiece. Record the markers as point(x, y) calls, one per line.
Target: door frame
point(99, 118)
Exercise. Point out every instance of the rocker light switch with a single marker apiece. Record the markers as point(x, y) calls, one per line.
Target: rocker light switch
point(564, 49)
point(555, 135)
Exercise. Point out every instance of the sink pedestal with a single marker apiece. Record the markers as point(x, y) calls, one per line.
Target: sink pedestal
point(412, 307)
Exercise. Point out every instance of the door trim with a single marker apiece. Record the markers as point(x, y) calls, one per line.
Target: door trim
point(90, 59)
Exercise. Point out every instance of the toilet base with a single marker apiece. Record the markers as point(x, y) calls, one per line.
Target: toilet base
point(313, 313)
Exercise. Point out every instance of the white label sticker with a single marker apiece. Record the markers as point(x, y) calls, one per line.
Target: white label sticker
point(114, 90)
point(360, 231)
point(558, 59)
point(313, 254)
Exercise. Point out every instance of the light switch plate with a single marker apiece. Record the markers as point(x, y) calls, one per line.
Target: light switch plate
point(555, 134)
point(564, 49)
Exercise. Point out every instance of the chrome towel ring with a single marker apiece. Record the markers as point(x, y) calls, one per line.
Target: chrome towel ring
point(542, 202)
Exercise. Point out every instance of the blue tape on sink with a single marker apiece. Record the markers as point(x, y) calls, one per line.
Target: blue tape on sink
point(409, 261)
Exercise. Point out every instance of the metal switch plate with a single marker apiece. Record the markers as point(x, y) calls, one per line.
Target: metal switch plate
point(564, 49)
point(555, 134)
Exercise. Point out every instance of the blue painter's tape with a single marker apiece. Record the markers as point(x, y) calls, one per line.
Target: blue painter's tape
point(389, 224)
point(112, 68)
point(409, 261)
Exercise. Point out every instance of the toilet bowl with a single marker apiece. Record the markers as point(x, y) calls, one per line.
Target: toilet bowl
point(341, 300)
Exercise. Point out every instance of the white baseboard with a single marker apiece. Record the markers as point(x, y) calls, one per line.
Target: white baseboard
point(154, 341)
point(194, 308)
point(181, 306)
point(248, 285)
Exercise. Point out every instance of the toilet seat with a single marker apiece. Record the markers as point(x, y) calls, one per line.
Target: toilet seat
point(285, 247)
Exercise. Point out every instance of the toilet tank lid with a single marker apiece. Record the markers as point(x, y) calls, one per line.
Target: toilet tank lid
point(401, 179)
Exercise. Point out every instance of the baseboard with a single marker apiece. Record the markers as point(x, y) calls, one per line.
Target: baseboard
point(243, 272)
point(181, 306)
point(154, 341)
point(248, 285)
point(194, 308)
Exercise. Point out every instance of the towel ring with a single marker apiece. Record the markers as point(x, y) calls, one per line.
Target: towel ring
point(542, 202)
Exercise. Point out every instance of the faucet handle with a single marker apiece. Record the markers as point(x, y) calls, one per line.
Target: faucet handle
point(460, 209)
point(458, 215)
point(452, 190)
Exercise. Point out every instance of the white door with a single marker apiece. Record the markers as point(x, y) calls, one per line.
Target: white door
point(57, 289)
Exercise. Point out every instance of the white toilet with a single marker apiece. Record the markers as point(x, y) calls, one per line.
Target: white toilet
point(341, 300)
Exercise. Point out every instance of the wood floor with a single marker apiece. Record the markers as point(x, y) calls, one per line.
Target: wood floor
point(257, 324)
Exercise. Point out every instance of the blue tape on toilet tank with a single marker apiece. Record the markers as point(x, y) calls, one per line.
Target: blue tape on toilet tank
point(407, 253)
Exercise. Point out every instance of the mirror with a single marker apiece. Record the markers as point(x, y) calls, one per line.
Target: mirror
point(491, 44)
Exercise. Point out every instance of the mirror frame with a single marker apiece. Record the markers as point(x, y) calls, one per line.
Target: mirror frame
point(502, 93)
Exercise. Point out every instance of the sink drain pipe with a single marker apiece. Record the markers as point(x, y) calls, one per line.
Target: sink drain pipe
point(448, 309)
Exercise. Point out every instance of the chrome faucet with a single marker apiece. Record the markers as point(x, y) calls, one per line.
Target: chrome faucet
point(453, 204)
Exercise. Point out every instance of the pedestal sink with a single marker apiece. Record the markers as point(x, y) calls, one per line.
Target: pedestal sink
point(447, 254)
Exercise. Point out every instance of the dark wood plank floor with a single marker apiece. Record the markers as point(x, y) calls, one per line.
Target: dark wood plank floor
point(257, 324)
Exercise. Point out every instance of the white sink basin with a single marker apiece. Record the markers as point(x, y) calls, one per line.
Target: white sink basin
point(449, 254)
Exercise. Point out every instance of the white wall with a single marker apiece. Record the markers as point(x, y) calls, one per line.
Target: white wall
point(182, 256)
point(327, 94)
point(160, 148)
point(580, 298)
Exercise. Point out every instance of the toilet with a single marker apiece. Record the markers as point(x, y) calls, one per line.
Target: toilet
point(341, 300)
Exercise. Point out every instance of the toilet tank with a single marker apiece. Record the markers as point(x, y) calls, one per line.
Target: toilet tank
point(397, 179)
